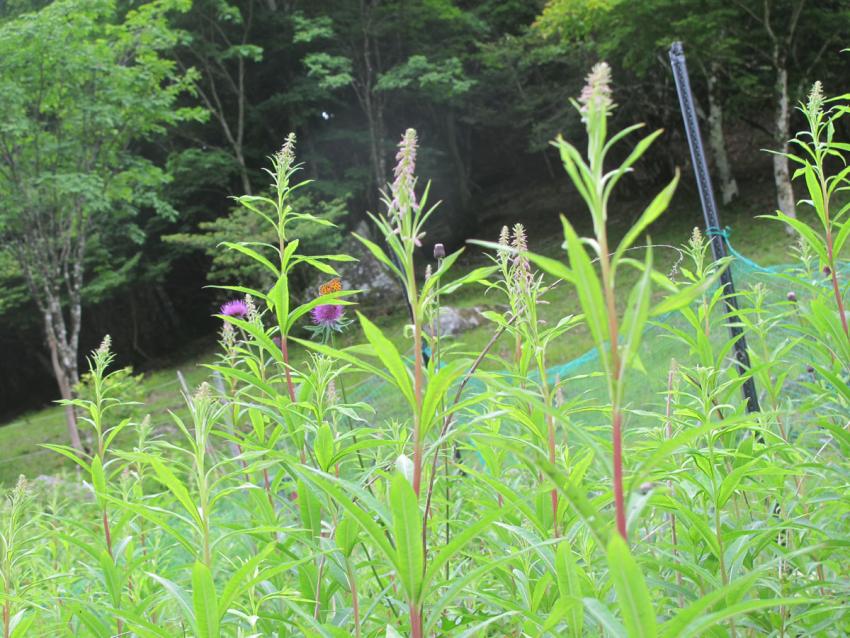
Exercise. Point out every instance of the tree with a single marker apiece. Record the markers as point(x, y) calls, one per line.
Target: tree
point(80, 87)
point(790, 38)
point(220, 45)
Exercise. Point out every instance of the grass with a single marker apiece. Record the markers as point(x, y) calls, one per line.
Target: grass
point(762, 241)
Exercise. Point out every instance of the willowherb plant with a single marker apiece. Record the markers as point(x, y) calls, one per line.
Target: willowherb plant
point(616, 333)
point(272, 505)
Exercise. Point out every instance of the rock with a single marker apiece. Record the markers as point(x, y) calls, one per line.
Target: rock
point(453, 321)
point(368, 274)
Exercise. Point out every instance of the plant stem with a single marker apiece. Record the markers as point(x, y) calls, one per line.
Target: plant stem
point(669, 431)
point(417, 416)
point(415, 621)
point(447, 421)
point(614, 383)
point(355, 602)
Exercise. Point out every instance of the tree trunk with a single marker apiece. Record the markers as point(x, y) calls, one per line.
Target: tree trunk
point(717, 141)
point(457, 159)
point(782, 131)
point(371, 102)
point(65, 380)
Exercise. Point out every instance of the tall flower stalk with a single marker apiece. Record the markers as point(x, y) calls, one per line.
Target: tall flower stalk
point(616, 333)
point(402, 226)
point(813, 147)
point(524, 291)
point(276, 210)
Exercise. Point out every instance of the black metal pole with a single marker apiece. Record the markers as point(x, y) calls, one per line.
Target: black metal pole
point(712, 220)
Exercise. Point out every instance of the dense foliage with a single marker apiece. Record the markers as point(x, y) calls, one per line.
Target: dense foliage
point(485, 82)
point(526, 507)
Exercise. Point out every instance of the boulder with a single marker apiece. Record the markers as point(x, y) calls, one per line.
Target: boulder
point(453, 321)
point(380, 289)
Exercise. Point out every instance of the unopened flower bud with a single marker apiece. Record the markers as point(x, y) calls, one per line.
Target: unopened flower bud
point(439, 251)
point(792, 296)
point(827, 271)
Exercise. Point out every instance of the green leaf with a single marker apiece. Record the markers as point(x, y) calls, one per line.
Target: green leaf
point(165, 476)
point(98, 479)
point(552, 266)
point(658, 205)
point(569, 587)
point(386, 351)
point(253, 254)
point(435, 392)
point(366, 521)
point(243, 577)
point(588, 287)
point(379, 254)
point(204, 602)
point(407, 529)
point(458, 542)
point(310, 508)
point(814, 240)
point(323, 447)
point(20, 624)
point(632, 593)
point(604, 617)
point(111, 577)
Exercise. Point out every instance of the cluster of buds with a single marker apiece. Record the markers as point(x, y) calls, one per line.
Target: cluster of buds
point(104, 347)
point(596, 94)
point(285, 157)
point(403, 205)
point(514, 262)
point(403, 186)
point(815, 102)
point(228, 337)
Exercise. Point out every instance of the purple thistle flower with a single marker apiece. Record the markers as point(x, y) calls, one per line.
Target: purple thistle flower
point(235, 308)
point(327, 315)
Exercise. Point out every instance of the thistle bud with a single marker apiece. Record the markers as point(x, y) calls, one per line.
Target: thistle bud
point(439, 251)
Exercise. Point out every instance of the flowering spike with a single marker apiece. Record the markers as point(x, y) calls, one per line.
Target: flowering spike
point(105, 345)
point(596, 94)
point(286, 155)
point(815, 97)
point(228, 336)
point(403, 195)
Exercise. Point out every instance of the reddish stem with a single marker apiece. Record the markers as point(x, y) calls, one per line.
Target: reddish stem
point(355, 601)
point(415, 622)
point(268, 486)
point(106, 533)
point(284, 349)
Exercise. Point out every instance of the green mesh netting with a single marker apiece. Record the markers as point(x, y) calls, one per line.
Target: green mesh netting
point(756, 285)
